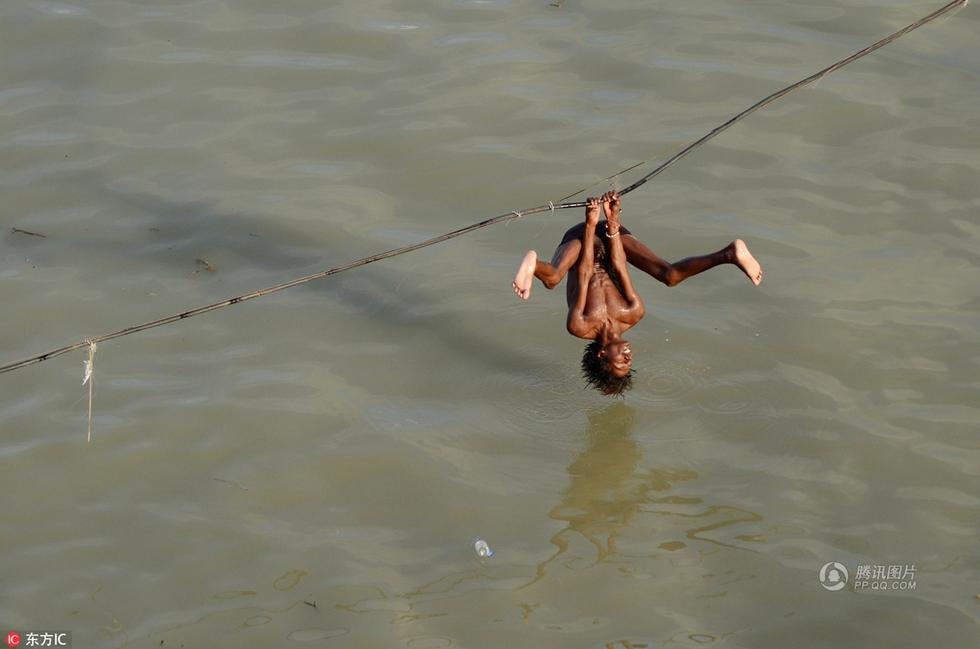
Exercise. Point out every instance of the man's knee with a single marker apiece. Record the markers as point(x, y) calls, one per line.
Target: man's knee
point(672, 277)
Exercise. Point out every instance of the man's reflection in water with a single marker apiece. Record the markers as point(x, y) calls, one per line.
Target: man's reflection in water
point(607, 491)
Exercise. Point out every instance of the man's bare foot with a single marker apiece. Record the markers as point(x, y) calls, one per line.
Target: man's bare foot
point(525, 275)
point(748, 263)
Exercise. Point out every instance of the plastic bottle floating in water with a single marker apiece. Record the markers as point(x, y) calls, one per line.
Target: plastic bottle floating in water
point(482, 549)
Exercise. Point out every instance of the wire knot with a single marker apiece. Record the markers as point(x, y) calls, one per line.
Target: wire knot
point(90, 363)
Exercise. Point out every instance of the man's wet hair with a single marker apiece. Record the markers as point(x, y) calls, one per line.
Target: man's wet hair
point(596, 373)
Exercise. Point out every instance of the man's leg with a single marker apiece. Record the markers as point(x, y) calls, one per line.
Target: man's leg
point(550, 274)
point(639, 255)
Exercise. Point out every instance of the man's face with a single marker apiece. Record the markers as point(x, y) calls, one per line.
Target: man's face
point(619, 356)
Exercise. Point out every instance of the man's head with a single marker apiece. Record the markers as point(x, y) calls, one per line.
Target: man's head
point(607, 368)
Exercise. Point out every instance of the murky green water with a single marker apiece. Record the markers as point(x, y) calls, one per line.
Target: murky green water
point(343, 443)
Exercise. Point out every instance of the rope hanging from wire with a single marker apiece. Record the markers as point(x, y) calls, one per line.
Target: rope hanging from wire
point(509, 216)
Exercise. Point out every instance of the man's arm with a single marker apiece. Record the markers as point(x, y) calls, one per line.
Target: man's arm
point(576, 323)
point(617, 256)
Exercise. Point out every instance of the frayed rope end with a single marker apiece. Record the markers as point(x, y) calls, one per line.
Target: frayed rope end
point(89, 378)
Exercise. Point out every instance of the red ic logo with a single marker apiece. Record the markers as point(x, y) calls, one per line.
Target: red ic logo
point(13, 639)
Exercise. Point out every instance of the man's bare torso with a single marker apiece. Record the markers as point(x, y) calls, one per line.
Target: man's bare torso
point(604, 302)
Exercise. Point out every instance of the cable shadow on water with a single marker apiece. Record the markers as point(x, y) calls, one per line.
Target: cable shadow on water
point(175, 233)
point(413, 311)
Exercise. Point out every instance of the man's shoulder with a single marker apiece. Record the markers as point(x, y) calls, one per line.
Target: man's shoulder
point(580, 327)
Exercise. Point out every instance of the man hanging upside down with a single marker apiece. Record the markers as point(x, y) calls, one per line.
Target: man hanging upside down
point(602, 304)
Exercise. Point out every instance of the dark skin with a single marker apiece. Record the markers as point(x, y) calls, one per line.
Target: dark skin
point(603, 311)
point(597, 309)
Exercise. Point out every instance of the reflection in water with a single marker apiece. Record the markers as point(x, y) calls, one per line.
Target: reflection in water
point(608, 496)
point(607, 491)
